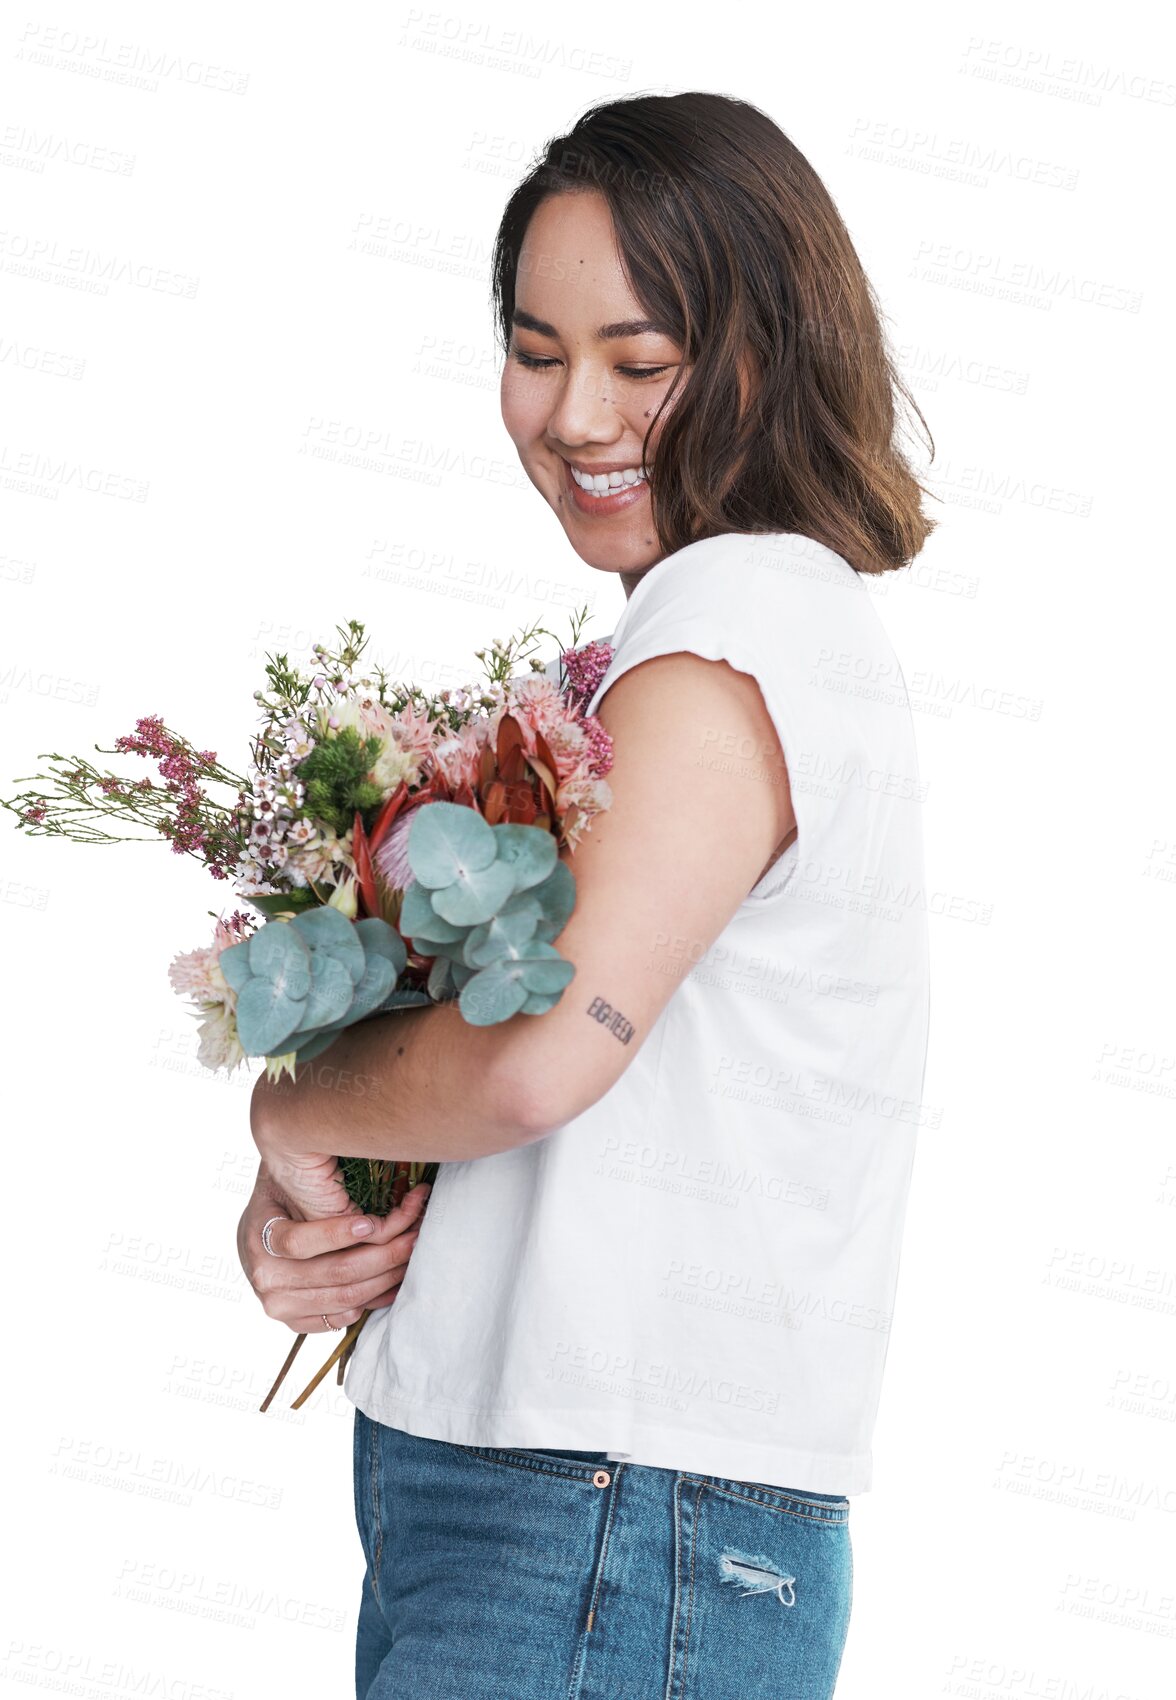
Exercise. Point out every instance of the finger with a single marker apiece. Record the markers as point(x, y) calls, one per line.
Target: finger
point(316, 1325)
point(331, 1233)
point(340, 1319)
point(345, 1292)
point(294, 1277)
point(284, 1306)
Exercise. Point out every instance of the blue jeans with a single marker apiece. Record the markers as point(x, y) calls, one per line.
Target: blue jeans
point(509, 1574)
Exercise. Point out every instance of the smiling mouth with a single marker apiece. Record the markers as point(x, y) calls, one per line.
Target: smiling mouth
point(606, 483)
point(632, 488)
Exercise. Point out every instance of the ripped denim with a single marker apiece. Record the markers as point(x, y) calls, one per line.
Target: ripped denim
point(545, 1574)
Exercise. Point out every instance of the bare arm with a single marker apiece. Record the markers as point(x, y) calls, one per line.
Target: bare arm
point(658, 878)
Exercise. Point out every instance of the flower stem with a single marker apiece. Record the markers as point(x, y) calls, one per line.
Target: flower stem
point(344, 1345)
point(290, 1356)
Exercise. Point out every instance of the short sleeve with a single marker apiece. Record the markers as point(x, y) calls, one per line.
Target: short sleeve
point(718, 599)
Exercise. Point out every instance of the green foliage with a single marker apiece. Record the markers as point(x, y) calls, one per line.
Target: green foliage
point(277, 902)
point(371, 1181)
point(333, 774)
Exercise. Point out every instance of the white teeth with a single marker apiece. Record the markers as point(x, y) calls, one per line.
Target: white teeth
point(603, 483)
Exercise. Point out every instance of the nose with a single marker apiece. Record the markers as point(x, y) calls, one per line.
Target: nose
point(583, 411)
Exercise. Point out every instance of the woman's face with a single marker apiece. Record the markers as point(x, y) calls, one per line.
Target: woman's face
point(582, 381)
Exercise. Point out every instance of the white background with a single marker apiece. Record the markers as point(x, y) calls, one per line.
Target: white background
point(1001, 172)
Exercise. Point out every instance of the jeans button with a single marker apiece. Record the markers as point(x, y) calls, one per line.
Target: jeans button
point(601, 1479)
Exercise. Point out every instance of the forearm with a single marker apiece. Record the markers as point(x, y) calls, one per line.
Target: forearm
point(417, 1085)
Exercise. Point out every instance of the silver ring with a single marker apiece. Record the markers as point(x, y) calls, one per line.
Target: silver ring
point(265, 1234)
point(330, 1324)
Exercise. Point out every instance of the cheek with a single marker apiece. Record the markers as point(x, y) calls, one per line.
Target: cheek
point(649, 408)
point(524, 410)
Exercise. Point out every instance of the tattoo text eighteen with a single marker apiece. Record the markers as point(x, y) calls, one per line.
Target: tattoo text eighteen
point(612, 1019)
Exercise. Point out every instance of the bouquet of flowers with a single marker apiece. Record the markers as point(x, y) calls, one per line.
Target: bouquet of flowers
point(399, 849)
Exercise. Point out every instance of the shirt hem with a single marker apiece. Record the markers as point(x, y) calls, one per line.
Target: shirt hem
point(683, 1450)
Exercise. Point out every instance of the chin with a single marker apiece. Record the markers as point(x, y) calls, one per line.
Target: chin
point(610, 548)
point(615, 554)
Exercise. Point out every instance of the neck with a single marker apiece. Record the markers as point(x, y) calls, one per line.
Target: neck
point(632, 580)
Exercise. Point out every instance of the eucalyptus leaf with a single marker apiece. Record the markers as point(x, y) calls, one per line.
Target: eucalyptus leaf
point(233, 962)
point(531, 852)
point(507, 935)
point(557, 898)
point(547, 975)
point(523, 903)
point(419, 920)
point(426, 940)
point(379, 978)
point(266, 1016)
point(329, 932)
point(331, 992)
point(475, 895)
point(379, 938)
point(278, 953)
point(416, 908)
point(492, 996)
point(452, 951)
point(447, 841)
point(369, 995)
point(438, 982)
point(317, 1044)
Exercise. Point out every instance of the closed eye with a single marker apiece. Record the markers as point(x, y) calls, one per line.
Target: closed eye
point(626, 371)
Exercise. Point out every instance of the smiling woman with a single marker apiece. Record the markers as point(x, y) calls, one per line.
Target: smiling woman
point(606, 1435)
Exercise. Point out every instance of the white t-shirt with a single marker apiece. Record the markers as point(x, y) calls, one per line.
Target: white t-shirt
point(698, 1272)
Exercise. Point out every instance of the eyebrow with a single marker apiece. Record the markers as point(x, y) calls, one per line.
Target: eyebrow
point(606, 333)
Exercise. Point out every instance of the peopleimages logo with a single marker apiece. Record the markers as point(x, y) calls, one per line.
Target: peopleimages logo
point(806, 1303)
point(628, 1372)
point(666, 1162)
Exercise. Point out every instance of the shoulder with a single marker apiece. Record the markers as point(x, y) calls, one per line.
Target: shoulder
point(740, 576)
point(767, 603)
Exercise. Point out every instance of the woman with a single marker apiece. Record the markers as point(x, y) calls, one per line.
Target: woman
point(605, 1438)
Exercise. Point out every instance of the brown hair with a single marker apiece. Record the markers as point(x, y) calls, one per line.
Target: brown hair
point(786, 420)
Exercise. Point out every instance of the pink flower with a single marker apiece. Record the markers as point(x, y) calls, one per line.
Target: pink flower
point(574, 739)
point(598, 746)
point(391, 857)
point(198, 971)
point(585, 667)
point(590, 796)
point(458, 757)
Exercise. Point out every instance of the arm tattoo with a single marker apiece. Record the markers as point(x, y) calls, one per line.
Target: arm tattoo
point(612, 1019)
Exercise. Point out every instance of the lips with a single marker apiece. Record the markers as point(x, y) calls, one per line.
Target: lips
point(603, 507)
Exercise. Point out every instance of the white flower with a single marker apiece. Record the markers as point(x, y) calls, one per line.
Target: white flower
point(391, 766)
point(318, 857)
point(196, 971)
point(334, 716)
point(219, 1045)
point(345, 897)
